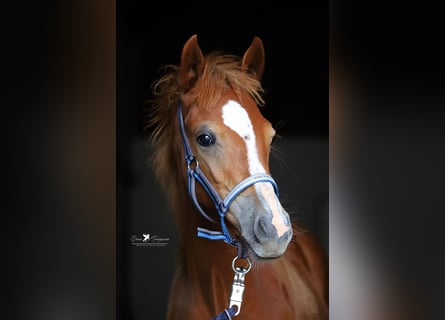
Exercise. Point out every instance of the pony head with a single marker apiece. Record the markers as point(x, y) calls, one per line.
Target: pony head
point(231, 139)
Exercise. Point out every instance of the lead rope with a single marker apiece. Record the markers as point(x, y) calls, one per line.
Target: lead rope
point(227, 314)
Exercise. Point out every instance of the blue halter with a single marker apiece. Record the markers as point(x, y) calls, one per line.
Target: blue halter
point(222, 205)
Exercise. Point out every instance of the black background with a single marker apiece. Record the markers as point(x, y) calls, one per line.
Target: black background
point(297, 55)
point(65, 95)
point(296, 83)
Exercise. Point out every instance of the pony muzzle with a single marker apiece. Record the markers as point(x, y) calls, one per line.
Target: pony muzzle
point(265, 237)
point(267, 242)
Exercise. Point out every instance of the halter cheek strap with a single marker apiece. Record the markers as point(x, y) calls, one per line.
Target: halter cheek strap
point(222, 205)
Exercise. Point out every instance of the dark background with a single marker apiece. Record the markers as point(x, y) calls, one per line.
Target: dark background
point(60, 116)
point(296, 83)
point(296, 43)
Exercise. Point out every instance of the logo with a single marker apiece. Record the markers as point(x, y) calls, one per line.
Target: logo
point(148, 240)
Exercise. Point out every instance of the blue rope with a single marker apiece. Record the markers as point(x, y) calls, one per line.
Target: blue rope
point(227, 314)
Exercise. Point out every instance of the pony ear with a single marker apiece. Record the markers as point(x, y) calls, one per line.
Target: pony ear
point(192, 63)
point(253, 59)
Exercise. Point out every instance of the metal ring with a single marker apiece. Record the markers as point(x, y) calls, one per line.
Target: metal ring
point(243, 270)
point(193, 160)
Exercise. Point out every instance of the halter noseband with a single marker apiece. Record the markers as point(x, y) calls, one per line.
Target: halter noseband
point(222, 205)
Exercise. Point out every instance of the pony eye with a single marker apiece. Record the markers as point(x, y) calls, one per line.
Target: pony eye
point(205, 139)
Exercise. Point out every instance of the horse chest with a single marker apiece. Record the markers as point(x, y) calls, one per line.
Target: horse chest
point(269, 294)
point(282, 294)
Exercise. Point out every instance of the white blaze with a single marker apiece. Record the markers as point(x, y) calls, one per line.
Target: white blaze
point(236, 118)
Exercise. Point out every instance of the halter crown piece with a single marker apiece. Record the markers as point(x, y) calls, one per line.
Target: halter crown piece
point(222, 205)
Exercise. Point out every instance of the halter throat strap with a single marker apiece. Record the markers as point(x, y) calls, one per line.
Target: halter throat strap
point(222, 205)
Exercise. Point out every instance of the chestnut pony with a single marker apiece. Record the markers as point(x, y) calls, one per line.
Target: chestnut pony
point(239, 254)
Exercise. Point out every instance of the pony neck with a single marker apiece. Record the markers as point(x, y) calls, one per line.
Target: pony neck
point(199, 252)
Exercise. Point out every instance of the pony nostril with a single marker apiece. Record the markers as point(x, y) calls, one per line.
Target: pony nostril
point(264, 229)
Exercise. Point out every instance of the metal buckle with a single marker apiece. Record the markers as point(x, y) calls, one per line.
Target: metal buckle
point(238, 284)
